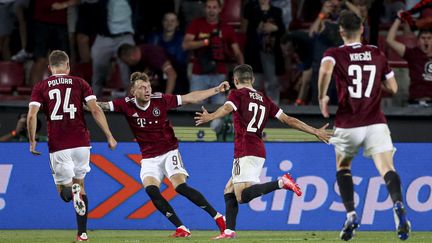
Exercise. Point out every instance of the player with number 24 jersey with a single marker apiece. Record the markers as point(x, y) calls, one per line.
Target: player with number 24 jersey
point(61, 98)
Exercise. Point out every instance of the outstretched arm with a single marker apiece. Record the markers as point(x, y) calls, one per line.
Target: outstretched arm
point(325, 73)
point(204, 116)
point(320, 133)
point(101, 121)
point(31, 128)
point(200, 95)
point(103, 105)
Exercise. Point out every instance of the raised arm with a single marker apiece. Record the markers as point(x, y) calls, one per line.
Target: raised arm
point(101, 121)
point(200, 95)
point(31, 128)
point(320, 133)
point(189, 43)
point(204, 116)
point(324, 77)
point(391, 38)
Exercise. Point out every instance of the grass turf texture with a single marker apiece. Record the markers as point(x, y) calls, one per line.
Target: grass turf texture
point(204, 236)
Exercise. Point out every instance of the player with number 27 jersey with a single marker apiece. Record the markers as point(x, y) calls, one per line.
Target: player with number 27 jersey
point(359, 73)
point(251, 112)
point(61, 97)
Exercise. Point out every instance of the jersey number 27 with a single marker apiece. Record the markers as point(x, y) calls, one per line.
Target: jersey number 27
point(252, 127)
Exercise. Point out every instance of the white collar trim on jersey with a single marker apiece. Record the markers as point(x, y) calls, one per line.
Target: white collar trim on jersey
point(141, 107)
point(353, 44)
point(254, 90)
point(59, 74)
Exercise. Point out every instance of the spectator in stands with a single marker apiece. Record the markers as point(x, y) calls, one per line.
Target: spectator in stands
point(20, 132)
point(298, 43)
point(171, 39)
point(264, 27)
point(325, 32)
point(208, 37)
point(189, 10)
point(24, 10)
point(6, 26)
point(50, 28)
point(114, 28)
point(152, 60)
point(419, 64)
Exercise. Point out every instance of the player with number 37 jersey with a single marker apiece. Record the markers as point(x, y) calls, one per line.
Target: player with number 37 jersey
point(359, 73)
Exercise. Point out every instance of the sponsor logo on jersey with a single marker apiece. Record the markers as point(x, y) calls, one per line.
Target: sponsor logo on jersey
point(135, 115)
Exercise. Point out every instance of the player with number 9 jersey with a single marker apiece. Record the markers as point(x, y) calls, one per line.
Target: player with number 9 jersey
point(61, 97)
point(359, 73)
point(251, 112)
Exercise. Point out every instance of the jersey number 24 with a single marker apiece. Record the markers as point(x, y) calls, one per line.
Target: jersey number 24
point(55, 94)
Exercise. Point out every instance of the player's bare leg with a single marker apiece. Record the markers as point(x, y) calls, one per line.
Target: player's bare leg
point(179, 182)
point(151, 185)
point(81, 206)
point(346, 188)
point(384, 164)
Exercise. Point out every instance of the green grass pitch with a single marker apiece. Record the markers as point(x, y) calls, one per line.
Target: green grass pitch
point(204, 236)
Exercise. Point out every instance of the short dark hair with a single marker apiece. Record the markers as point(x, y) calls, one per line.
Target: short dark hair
point(350, 22)
point(243, 73)
point(125, 50)
point(424, 31)
point(57, 58)
point(218, 1)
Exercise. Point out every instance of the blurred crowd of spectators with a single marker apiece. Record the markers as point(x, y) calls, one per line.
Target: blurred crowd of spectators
point(186, 45)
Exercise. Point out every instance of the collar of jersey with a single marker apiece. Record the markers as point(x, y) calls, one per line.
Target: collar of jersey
point(353, 44)
point(254, 90)
point(141, 107)
point(59, 74)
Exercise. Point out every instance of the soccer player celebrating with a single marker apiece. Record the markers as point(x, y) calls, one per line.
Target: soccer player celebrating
point(361, 73)
point(146, 114)
point(61, 98)
point(251, 111)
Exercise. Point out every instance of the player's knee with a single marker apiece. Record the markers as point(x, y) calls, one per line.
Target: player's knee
point(182, 188)
point(153, 192)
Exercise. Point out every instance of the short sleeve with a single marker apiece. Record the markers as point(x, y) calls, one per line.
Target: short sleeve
point(230, 34)
point(118, 105)
point(329, 56)
point(274, 110)
point(87, 91)
point(408, 55)
point(233, 100)
point(36, 96)
point(387, 71)
point(192, 28)
point(172, 101)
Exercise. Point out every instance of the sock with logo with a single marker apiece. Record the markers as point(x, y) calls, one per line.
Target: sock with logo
point(231, 210)
point(258, 190)
point(196, 197)
point(393, 183)
point(346, 188)
point(82, 220)
point(162, 205)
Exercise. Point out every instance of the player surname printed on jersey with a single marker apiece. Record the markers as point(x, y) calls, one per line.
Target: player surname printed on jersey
point(58, 81)
point(364, 56)
point(255, 96)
